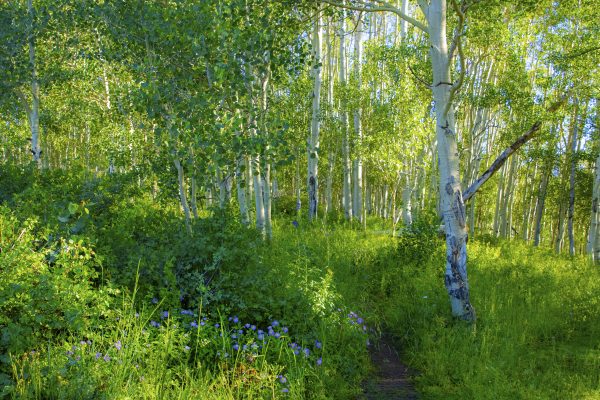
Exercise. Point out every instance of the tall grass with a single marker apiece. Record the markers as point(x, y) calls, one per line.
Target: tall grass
point(537, 331)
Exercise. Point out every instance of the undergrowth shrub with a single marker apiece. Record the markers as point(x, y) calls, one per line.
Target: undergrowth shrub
point(47, 288)
point(419, 241)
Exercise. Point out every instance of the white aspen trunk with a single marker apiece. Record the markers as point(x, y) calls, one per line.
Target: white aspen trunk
point(539, 213)
point(331, 157)
point(248, 178)
point(34, 114)
point(313, 142)
point(451, 202)
point(347, 173)
point(329, 186)
point(505, 222)
point(369, 197)
point(193, 201)
point(511, 199)
point(357, 166)
point(241, 191)
point(499, 197)
point(266, 185)
point(297, 181)
point(571, 211)
point(403, 23)
point(182, 196)
point(266, 178)
point(258, 194)
point(407, 203)
point(384, 201)
point(558, 243)
point(593, 247)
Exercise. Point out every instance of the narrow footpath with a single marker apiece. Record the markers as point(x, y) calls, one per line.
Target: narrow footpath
point(392, 378)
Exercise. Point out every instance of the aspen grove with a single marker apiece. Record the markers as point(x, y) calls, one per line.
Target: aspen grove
point(253, 198)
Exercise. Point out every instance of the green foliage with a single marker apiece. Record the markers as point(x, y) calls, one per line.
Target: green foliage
point(46, 287)
point(418, 242)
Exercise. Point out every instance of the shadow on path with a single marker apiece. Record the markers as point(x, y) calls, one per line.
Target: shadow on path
point(392, 378)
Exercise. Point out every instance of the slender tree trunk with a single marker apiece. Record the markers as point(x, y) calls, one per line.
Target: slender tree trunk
point(313, 142)
point(407, 202)
point(193, 200)
point(541, 199)
point(182, 196)
point(357, 166)
point(34, 114)
point(347, 171)
point(241, 190)
point(571, 211)
point(593, 245)
point(403, 23)
point(329, 186)
point(266, 184)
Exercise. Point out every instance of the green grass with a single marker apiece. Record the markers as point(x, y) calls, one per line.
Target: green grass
point(537, 331)
point(70, 293)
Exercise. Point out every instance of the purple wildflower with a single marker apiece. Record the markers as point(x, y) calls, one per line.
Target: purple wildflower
point(154, 300)
point(118, 345)
point(318, 344)
point(236, 320)
point(107, 358)
point(165, 314)
point(194, 324)
point(319, 361)
point(186, 348)
point(154, 324)
point(236, 347)
point(295, 223)
point(98, 355)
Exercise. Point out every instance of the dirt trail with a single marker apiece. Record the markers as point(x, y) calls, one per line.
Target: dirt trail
point(392, 379)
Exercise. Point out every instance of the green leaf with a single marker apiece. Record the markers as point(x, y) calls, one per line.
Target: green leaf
point(72, 208)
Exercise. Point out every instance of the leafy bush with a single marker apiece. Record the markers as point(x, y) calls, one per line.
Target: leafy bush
point(47, 288)
point(418, 242)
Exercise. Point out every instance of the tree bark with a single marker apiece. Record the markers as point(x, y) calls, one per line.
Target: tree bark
point(34, 114)
point(541, 199)
point(571, 211)
point(357, 165)
point(313, 142)
point(451, 199)
point(347, 171)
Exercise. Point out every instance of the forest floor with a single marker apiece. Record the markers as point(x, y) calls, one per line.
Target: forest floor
point(393, 378)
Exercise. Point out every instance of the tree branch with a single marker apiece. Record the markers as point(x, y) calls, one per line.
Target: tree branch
point(497, 164)
point(24, 102)
point(384, 7)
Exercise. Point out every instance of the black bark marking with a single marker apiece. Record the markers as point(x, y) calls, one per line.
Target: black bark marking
point(449, 188)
